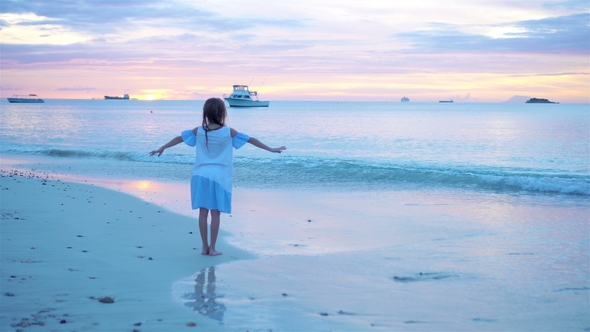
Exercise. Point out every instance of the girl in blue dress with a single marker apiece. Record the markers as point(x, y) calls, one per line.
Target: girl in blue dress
point(211, 182)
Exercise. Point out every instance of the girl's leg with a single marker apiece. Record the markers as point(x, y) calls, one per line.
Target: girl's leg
point(203, 230)
point(215, 221)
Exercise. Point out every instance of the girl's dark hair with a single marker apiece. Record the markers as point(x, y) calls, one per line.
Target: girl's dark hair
point(213, 112)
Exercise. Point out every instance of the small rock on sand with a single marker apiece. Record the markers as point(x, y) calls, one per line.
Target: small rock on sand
point(106, 299)
point(23, 323)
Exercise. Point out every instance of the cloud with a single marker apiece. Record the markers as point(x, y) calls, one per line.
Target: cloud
point(81, 54)
point(578, 5)
point(109, 17)
point(518, 99)
point(465, 98)
point(9, 88)
point(565, 34)
point(77, 88)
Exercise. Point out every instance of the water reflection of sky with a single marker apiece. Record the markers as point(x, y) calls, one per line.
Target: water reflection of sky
point(513, 263)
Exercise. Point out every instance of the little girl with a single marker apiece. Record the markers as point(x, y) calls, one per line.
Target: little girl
point(211, 182)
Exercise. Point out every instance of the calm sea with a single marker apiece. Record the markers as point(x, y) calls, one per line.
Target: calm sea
point(503, 148)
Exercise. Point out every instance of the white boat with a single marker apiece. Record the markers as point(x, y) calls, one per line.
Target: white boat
point(405, 99)
point(30, 98)
point(242, 97)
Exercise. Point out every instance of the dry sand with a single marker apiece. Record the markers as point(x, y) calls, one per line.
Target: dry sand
point(66, 245)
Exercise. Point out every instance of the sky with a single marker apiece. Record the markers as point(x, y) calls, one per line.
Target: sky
point(316, 50)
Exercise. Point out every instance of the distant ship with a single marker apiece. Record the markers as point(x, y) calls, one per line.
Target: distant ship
point(446, 101)
point(30, 98)
point(405, 99)
point(540, 101)
point(125, 97)
point(242, 97)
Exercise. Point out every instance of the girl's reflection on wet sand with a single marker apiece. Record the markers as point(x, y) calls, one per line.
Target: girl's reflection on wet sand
point(205, 298)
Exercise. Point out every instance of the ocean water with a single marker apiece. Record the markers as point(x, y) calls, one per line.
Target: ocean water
point(518, 148)
point(378, 217)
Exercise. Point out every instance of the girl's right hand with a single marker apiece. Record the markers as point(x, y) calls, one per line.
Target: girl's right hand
point(278, 150)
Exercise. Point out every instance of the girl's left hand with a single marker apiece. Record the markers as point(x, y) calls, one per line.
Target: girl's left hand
point(159, 152)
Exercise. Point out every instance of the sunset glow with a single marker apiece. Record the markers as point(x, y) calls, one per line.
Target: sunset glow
point(477, 51)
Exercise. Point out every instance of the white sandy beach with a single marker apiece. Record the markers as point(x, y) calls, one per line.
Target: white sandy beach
point(65, 245)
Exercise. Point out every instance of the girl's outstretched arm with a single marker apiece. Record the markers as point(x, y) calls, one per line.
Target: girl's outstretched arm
point(176, 140)
point(263, 146)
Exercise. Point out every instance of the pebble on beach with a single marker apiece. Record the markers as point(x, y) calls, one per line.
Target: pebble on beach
point(23, 323)
point(106, 299)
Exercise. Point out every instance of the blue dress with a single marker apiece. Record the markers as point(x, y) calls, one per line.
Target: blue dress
point(211, 182)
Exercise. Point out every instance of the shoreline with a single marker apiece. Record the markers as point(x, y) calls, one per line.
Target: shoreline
point(66, 244)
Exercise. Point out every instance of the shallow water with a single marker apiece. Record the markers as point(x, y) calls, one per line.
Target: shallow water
point(437, 261)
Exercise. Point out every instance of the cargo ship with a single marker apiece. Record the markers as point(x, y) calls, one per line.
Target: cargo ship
point(125, 97)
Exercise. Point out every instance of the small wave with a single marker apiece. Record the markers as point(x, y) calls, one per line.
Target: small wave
point(318, 172)
point(539, 184)
point(104, 154)
point(314, 172)
point(127, 156)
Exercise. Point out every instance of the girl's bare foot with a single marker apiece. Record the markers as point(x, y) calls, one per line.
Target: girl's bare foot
point(213, 252)
point(205, 251)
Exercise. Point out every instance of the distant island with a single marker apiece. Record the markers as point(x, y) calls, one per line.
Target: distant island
point(405, 99)
point(540, 101)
